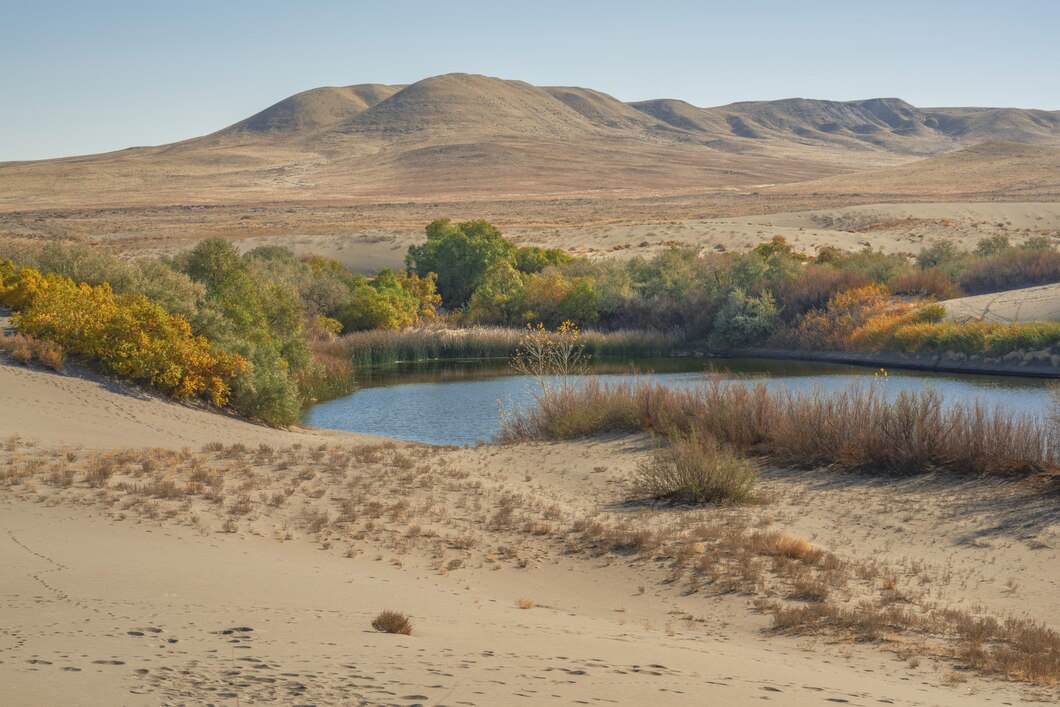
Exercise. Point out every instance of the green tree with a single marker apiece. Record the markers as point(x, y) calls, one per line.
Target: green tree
point(257, 318)
point(460, 254)
point(531, 259)
point(500, 299)
point(743, 320)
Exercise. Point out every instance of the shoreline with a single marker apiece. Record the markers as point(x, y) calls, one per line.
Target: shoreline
point(937, 363)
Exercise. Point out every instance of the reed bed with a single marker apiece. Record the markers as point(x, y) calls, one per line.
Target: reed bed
point(380, 347)
point(856, 429)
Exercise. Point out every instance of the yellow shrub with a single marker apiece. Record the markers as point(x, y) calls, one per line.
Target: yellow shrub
point(914, 337)
point(879, 331)
point(18, 286)
point(848, 311)
point(876, 333)
point(128, 335)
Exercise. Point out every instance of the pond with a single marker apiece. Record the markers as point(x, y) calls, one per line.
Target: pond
point(461, 402)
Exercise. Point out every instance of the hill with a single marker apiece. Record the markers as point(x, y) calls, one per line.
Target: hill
point(313, 109)
point(461, 136)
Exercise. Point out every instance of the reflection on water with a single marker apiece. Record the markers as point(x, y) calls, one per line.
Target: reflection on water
point(460, 402)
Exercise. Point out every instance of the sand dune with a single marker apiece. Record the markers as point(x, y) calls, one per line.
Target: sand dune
point(143, 589)
point(103, 613)
point(93, 411)
point(1029, 304)
point(83, 408)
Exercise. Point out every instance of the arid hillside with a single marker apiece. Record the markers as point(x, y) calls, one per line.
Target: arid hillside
point(1012, 170)
point(469, 137)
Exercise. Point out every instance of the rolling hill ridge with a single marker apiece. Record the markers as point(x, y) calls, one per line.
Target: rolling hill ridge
point(459, 135)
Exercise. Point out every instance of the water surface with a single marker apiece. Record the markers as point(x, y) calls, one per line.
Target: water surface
point(459, 403)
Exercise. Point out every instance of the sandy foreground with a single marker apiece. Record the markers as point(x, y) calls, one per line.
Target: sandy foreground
point(156, 554)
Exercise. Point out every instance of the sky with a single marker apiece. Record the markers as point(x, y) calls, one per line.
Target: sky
point(84, 77)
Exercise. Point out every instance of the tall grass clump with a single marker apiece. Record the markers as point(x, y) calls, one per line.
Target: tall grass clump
point(382, 347)
point(569, 410)
point(329, 377)
point(855, 429)
point(694, 469)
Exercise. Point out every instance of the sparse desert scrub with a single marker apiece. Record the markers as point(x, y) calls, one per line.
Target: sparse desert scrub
point(927, 282)
point(467, 513)
point(856, 429)
point(1012, 268)
point(1017, 649)
point(28, 349)
point(696, 470)
point(392, 622)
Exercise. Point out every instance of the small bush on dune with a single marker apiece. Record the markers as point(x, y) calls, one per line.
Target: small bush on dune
point(696, 470)
point(780, 544)
point(27, 349)
point(392, 622)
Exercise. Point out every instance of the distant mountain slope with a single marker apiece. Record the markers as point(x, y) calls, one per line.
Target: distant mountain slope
point(889, 124)
point(469, 103)
point(314, 109)
point(1002, 168)
point(463, 134)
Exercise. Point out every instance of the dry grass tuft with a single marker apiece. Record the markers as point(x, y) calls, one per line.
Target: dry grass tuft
point(696, 470)
point(525, 603)
point(392, 622)
point(780, 544)
point(27, 349)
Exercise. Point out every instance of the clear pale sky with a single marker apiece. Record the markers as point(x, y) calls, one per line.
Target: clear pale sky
point(80, 77)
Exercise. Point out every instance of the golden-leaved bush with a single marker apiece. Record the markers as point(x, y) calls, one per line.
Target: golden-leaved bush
point(128, 334)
